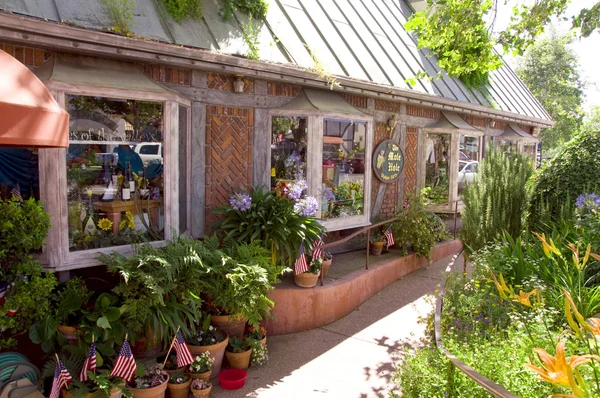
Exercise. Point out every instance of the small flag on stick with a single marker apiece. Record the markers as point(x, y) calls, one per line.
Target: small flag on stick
point(89, 364)
point(317, 249)
point(125, 366)
point(301, 266)
point(389, 236)
point(16, 192)
point(60, 380)
point(184, 356)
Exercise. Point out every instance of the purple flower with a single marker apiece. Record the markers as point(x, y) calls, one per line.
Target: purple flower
point(328, 194)
point(307, 206)
point(295, 190)
point(588, 200)
point(240, 201)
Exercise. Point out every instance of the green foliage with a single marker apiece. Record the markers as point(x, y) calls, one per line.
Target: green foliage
point(419, 227)
point(250, 33)
point(572, 172)
point(183, 9)
point(591, 122)
point(100, 385)
point(237, 345)
point(496, 201)
point(550, 70)
point(22, 230)
point(255, 8)
point(457, 35)
point(320, 69)
point(121, 13)
point(272, 220)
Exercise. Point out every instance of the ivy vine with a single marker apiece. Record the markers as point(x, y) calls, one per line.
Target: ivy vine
point(183, 9)
point(250, 33)
point(255, 8)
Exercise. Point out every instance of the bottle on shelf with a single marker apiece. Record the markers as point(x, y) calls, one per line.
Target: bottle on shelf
point(131, 180)
point(125, 192)
point(109, 193)
point(143, 185)
point(90, 225)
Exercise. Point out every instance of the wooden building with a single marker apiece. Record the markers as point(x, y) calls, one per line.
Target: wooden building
point(178, 109)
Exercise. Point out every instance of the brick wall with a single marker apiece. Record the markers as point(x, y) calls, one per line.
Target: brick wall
point(430, 113)
point(390, 199)
point(356, 100)
point(282, 90)
point(387, 106)
point(225, 83)
point(28, 56)
point(410, 162)
point(228, 154)
point(475, 121)
point(167, 74)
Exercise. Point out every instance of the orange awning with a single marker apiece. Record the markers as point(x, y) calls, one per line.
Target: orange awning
point(29, 115)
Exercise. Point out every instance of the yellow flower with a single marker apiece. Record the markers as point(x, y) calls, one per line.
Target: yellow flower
point(594, 326)
point(130, 220)
point(549, 248)
point(570, 310)
point(560, 369)
point(504, 291)
point(523, 298)
point(105, 224)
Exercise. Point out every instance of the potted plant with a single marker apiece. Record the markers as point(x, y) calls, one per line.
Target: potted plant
point(257, 339)
point(200, 368)
point(179, 385)
point(310, 277)
point(99, 385)
point(377, 242)
point(170, 364)
point(201, 388)
point(327, 261)
point(149, 382)
point(211, 340)
point(238, 353)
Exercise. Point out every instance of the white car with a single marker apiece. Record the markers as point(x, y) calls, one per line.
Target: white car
point(149, 152)
point(467, 171)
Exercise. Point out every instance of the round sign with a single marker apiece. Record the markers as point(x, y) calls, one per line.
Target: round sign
point(388, 161)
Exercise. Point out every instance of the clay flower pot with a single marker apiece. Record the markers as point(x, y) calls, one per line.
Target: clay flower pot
point(233, 325)
point(307, 279)
point(377, 248)
point(201, 376)
point(239, 360)
point(216, 351)
point(154, 392)
point(201, 393)
point(326, 265)
point(179, 390)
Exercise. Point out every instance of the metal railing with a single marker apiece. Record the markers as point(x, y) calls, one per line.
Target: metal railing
point(491, 387)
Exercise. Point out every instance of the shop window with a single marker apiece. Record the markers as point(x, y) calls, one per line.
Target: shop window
point(469, 148)
point(19, 173)
point(437, 158)
point(289, 140)
point(343, 169)
point(114, 172)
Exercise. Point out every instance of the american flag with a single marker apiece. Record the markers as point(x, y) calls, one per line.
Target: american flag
point(317, 249)
point(301, 266)
point(16, 192)
point(125, 366)
point(89, 364)
point(389, 236)
point(61, 378)
point(184, 357)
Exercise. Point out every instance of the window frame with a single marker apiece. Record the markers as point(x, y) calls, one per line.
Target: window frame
point(314, 172)
point(53, 182)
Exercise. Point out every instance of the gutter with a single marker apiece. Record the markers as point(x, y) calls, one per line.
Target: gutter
point(56, 36)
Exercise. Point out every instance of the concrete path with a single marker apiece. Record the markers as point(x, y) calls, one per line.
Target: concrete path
point(354, 357)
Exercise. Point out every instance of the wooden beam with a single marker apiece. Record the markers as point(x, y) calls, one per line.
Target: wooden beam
point(261, 149)
point(198, 171)
point(219, 97)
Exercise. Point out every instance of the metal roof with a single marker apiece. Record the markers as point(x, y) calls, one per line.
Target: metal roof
point(359, 39)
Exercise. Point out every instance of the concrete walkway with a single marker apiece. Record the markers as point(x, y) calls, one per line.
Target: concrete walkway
point(354, 357)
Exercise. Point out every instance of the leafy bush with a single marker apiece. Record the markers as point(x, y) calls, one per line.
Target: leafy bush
point(572, 172)
point(496, 201)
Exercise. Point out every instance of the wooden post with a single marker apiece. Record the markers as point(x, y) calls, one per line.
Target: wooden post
point(170, 348)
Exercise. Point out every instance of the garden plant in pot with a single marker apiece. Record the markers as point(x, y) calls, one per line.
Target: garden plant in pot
point(327, 261)
point(149, 382)
point(200, 368)
point(209, 339)
point(377, 242)
point(98, 385)
point(257, 339)
point(238, 353)
point(311, 276)
point(170, 365)
point(179, 385)
point(201, 388)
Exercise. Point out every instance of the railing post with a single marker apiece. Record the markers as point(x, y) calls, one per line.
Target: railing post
point(450, 380)
point(368, 247)
point(455, 213)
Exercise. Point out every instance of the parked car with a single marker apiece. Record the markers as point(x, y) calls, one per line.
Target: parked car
point(467, 171)
point(150, 152)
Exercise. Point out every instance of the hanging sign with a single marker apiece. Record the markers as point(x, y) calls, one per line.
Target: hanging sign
point(388, 161)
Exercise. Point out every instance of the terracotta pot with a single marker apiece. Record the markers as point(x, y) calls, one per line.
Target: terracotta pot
point(179, 390)
point(307, 279)
point(239, 360)
point(216, 352)
point(114, 393)
point(326, 266)
point(147, 346)
point(377, 248)
point(154, 392)
point(69, 332)
point(201, 393)
point(233, 325)
point(170, 372)
point(201, 376)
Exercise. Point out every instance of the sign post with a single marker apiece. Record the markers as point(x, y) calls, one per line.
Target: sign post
point(388, 161)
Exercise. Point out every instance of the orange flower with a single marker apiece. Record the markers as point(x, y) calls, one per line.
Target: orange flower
point(504, 291)
point(549, 248)
point(523, 298)
point(594, 326)
point(570, 310)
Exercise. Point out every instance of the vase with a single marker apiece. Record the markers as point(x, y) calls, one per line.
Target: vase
point(233, 325)
point(325, 267)
point(179, 390)
point(216, 352)
point(201, 393)
point(201, 376)
point(307, 279)
point(239, 360)
point(376, 248)
point(153, 392)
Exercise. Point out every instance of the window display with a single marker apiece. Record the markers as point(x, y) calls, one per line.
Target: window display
point(437, 158)
point(289, 139)
point(114, 172)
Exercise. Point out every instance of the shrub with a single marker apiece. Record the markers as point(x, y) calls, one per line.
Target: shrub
point(572, 172)
point(496, 201)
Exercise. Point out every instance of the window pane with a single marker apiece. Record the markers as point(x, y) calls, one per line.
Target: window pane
point(343, 169)
point(437, 156)
point(114, 172)
point(288, 149)
point(469, 148)
point(19, 173)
